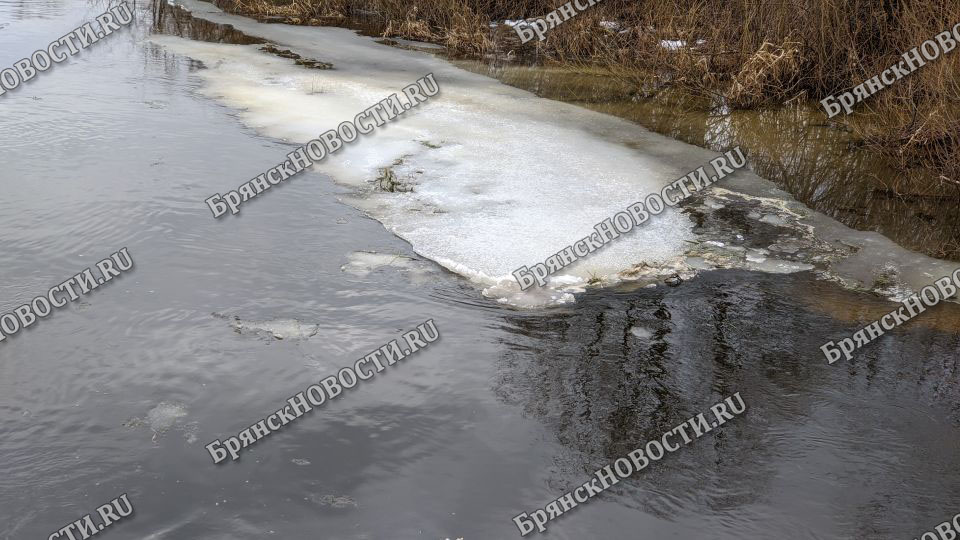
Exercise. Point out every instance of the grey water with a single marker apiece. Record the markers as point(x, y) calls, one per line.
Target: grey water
point(118, 393)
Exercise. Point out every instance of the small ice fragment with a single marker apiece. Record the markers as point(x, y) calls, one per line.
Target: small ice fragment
point(334, 501)
point(361, 263)
point(641, 332)
point(278, 329)
point(165, 415)
point(773, 219)
point(565, 279)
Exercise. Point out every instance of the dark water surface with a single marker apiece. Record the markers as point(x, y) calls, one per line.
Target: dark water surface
point(119, 392)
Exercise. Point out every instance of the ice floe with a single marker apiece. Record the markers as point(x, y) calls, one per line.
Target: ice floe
point(495, 178)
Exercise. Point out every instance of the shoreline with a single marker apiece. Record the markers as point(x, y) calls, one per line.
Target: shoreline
point(788, 236)
point(849, 180)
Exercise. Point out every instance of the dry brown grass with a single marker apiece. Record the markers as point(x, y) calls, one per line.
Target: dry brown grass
point(740, 53)
point(750, 53)
point(452, 23)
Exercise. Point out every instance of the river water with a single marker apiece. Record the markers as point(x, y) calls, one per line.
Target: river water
point(119, 392)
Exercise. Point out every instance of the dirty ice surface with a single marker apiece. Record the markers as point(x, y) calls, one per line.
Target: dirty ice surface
point(496, 178)
point(501, 178)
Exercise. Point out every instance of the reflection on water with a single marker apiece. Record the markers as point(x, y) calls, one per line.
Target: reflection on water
point(507, 410)
point(812, 430)
point(176, 21)
point(32, 9)
point(818, 163)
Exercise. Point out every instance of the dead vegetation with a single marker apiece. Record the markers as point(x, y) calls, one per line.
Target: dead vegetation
point(299, 60)
point(387, 179)
point(733, 53)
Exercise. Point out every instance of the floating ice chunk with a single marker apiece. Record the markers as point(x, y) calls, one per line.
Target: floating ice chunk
point(778, 266)
point(361, 263)
point(774, 219)
point(278, 328)
point(757, 255)
point(641, 332)
point(165, 415)
point(334, 501)
point(487, 201)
